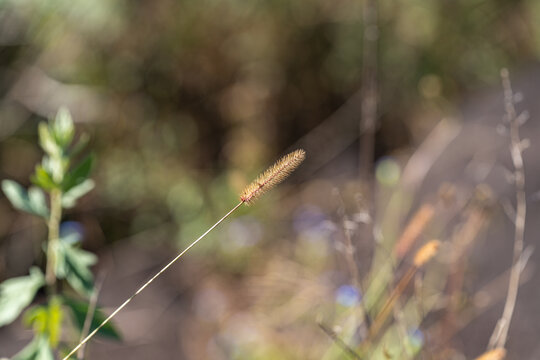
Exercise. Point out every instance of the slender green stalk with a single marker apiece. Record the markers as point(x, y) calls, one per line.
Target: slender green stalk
point(113, 314)
point(54, 230)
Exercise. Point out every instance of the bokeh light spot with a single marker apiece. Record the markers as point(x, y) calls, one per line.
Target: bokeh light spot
point(387, 171)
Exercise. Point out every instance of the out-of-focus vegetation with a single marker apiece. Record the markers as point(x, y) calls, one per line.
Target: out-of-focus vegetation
point(64, 181)
point(187, 100)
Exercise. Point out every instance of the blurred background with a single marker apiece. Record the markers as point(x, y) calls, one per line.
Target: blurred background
point(186, 101)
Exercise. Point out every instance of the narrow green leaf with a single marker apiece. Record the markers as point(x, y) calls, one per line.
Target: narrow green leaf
point(17, 293)
point(63, 128)
point(56, 166)
point(61, 268)
point(46, 140)
point(32, 202)
point(29, 352)
point(38, 203)
point(42, 178)
point(54, 326)
point(69, 198)
point(36, 317)
point(79, 174)
point(44, 350)
point(16, 194)
point(79, 276)
point(46, 320)
point(73, 264)
point(38, 349)
point(79, 310)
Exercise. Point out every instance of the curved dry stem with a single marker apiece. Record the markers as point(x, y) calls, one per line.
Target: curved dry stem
point(500, 333)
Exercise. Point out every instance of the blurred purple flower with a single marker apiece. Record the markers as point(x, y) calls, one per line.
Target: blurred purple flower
point(71, 231)
point(416, 338)
point(348, 295)
point(310, 218)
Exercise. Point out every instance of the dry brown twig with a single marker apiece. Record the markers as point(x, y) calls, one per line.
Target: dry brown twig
point(350, 249)
point(422, 256)
point(500, 333)
point(90, 315)
point(414, 228)
point(368, 121)
point(339, 342)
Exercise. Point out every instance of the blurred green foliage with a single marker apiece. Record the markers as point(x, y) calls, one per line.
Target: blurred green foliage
point(64, 183)
point(187, 100)
point(181, 91)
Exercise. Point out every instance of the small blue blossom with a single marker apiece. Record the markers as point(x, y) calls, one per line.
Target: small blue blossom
point(71, 231)
point(416, 338)
point(309, 218)
point(348, 296)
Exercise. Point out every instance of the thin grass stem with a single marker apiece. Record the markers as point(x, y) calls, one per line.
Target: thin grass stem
point(268, 179)
point(118, 309)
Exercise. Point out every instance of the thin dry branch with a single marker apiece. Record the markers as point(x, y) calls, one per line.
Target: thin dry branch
point(339, 342)
point(500, 333)
point(90, 315)
point(369, 90)
point(422, 256)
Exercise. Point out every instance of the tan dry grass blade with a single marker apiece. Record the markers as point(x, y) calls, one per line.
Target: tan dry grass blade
point(422, 256)
point(272, 176)
point(426, 252)
point(413, 230)
point(495, 354)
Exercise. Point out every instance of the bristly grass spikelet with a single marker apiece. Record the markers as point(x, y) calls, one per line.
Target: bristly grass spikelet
point(272, 176)
point(267, 180)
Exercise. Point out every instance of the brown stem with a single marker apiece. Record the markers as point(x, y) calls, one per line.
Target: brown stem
point(339, 342)
point(388, 305)
point(92, 306)
point(369, 90)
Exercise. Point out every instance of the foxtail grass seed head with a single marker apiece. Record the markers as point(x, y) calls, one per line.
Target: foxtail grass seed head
point(495, 354)
point(426, 252)
point(272, 176)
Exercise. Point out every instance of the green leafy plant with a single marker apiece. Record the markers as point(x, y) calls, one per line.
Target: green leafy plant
point(58, 182)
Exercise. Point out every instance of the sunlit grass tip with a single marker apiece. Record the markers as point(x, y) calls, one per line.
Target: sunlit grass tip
point(495, 354)
point(426, 252)
point(272, 176)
